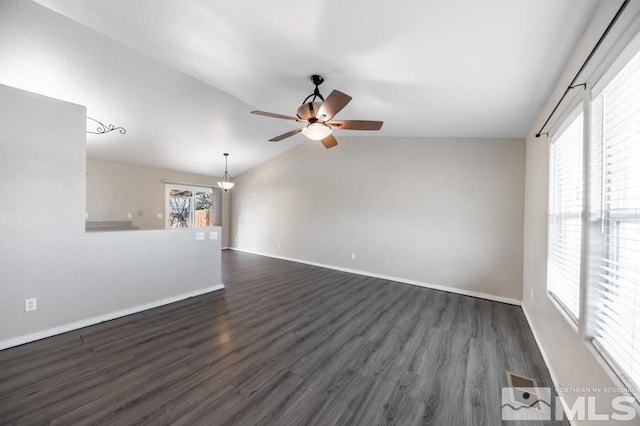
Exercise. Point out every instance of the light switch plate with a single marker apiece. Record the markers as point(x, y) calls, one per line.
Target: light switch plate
point(213, 235)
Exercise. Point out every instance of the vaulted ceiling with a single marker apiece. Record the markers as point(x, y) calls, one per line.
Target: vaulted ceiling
point(448, 68)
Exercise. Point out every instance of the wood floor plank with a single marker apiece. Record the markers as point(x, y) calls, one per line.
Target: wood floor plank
point(283, 344)
point(483, 369)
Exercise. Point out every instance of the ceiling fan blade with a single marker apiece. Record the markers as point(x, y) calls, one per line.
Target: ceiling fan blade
point(329, 142)
point(332, 105)
point(273, 115)
point(356, 124)
point(286, 135)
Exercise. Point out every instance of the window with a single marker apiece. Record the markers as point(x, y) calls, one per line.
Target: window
point(565, 215)
point(593, 261)
point(189, 207)
point(617, 284)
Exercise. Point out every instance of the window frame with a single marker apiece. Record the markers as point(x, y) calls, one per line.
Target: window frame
point(185, 187)
point(567, 120)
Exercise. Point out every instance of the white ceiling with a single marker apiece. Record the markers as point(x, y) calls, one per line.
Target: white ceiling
point(452, 68)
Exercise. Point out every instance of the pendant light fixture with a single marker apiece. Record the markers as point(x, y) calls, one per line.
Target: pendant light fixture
point(226, 182)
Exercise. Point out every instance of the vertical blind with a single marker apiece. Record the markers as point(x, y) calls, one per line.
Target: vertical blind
point(617, 310)
point(565, 216)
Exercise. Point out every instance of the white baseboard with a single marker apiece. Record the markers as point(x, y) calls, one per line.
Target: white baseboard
point(392, 278)
point(102, 318)
point(545, 358)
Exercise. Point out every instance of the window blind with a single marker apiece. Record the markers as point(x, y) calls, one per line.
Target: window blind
point(565, 216)
point(617, 322)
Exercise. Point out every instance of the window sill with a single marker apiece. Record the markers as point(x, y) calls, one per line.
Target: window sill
point(572, 322)
point(611, 372)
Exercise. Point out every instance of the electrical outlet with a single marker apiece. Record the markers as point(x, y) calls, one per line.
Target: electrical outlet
point(86, 215)
point(31, 304)
point(199, 236)
point(129, 216)
point(278, 244)
point(353, 256)
point(159, 215)
point(531, 294)
point(213, 235)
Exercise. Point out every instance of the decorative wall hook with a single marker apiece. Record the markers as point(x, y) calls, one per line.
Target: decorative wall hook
point(105, 128)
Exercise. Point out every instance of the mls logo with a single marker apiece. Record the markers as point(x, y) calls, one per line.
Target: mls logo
point(520, 403)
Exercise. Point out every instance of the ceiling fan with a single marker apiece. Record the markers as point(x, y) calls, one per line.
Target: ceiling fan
point(319, 117)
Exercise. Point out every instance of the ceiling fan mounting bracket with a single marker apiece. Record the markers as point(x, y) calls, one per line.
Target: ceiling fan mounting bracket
point(317, 79)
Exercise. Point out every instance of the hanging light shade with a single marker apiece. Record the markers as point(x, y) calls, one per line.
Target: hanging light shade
point(316, 131)
point(226, 182)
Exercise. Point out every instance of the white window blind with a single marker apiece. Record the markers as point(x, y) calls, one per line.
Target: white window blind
point(617, 325)
point(565, 216)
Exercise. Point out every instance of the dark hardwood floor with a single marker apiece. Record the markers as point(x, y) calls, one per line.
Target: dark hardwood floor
point(283, 344)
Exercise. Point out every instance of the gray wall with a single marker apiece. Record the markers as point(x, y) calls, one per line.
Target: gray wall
point(445, 212)
point(44, 251)
point(226, 218)
point(114, 190)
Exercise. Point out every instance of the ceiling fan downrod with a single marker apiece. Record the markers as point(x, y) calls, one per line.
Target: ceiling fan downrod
point(317, 80)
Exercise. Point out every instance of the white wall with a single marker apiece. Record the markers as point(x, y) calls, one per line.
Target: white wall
point(445, 212)
point(77, 277)
point(570, 359)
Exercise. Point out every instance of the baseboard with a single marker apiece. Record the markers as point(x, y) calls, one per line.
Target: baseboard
point(391, 278)
point(102, 318)
point(545, 358)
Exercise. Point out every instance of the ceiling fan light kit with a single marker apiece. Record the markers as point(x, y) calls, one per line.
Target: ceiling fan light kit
point(316, 131)
point(318, 116)
point(226, 183)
